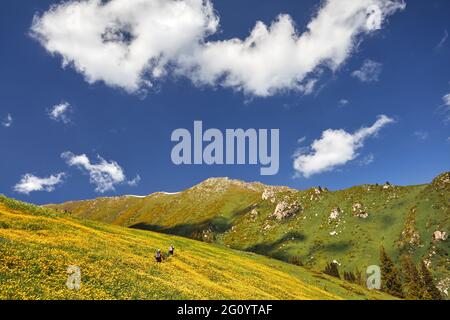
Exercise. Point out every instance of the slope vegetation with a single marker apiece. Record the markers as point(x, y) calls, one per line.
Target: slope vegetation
point(37, 245)
point(313, 227)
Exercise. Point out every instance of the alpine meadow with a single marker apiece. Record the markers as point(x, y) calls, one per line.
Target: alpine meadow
point(224, 159)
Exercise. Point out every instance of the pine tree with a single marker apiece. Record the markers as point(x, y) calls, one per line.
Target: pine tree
point(390, 276)
point(413, 285)
point(350, 277)
point(332, 270)
point(430, 287)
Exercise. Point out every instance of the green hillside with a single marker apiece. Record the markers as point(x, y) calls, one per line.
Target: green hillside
point(38, 244)
point(311, 227)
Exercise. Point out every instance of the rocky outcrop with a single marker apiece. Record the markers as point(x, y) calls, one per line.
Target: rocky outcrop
point(442, 182)
point(440, 236)
point(410, 236)
point(254, 214)
point(387, 186)
point(285, 209)
point(359, 210)
point(443, 286)
point(334, 215)
point(269, 195)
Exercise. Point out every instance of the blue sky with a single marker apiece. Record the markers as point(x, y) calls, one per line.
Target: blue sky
point(407, 55)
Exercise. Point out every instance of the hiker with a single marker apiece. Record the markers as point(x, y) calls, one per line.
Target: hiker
point(158, 256)
point(171, 249)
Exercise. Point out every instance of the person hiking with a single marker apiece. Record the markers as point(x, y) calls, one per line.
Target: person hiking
point(171, 249)
point(158, 256)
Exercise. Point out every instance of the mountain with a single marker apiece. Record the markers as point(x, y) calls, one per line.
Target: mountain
point(310, 227)
point(37, 245)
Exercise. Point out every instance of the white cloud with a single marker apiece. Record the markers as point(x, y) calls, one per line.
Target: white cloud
point(368, 159)
point(61, 112)
point(30, 183)
point(135, 181)
point(443, 40)
point(344, 102)
point(122, 42)
point(446, 107)
point(335, 148)
point(301, 140)
point(369, 72)
point(421, 135)
point(131, 45)
point(104, 175)
point(7, 121)
point(446, 100)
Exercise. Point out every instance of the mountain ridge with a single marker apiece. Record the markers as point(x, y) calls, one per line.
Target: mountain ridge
point(314, 226)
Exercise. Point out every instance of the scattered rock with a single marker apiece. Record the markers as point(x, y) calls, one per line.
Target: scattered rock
point(269, 195)
point(334, 214)
point(320, 190)
point(254, 214)
point(336, 262)
point(442, 181)
point(427, 263)
point(359, 211)
point(444, 285)
point(267, 227)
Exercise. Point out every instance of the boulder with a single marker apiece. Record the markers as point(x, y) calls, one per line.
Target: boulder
point(359, 211)
point(440, 235)
point(334, 214)
point(284, 209)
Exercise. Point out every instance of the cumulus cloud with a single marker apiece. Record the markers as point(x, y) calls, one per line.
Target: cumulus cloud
point(61, 112)
point(123, 43)
point(7, 121)
point(104, 175)
point(132, 45)
point(369, 72)
point(30, 183)
point(335, 148)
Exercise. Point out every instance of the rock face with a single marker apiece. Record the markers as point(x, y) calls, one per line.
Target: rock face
point(440, 235)
point(285, 209)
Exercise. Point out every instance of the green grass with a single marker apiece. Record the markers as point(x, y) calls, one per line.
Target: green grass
point(219, 211)
point(37, 245)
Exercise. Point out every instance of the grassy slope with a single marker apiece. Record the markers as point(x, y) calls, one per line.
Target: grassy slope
point(220, 211)
point(37, 245)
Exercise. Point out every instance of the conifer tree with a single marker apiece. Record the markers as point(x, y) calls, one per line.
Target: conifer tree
point(332, 270)
point(390, 282)
point(432, 292)
point(413, 285)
